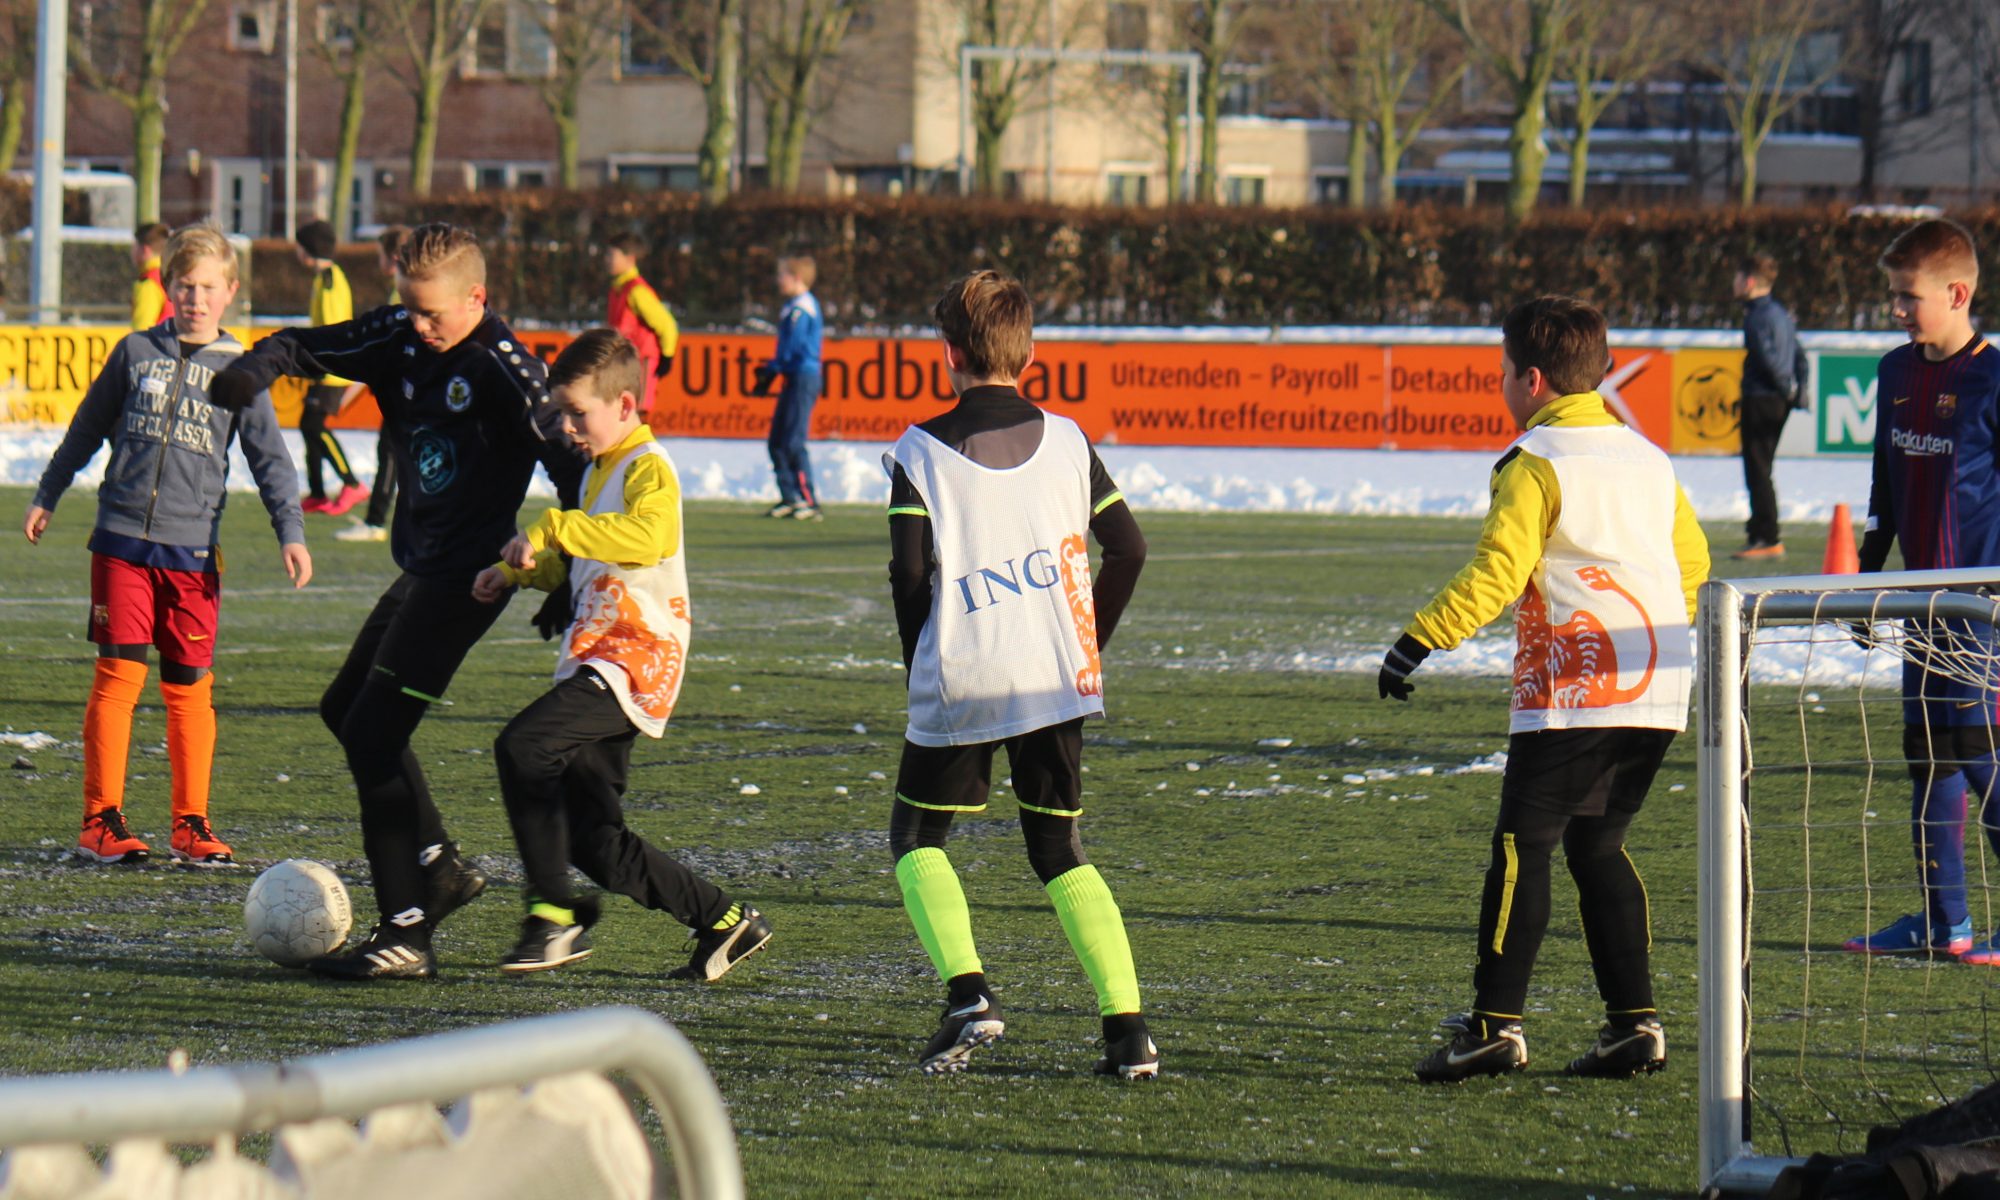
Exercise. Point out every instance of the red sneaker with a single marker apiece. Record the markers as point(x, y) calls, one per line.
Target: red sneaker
point(106, 839)
point(193, 842)
point(313, 504)
point(350, 496)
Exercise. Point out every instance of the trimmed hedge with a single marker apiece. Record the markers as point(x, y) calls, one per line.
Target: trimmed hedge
point(882, 262)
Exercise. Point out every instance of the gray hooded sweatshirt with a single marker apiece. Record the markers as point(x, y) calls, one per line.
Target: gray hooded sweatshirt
point(170, 446)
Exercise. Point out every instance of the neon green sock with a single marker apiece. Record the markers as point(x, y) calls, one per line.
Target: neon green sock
point(550, 912)
point(936, 904)
point(1096, 932)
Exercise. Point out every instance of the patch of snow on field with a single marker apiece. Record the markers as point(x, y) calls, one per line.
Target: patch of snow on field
point(1158, 478)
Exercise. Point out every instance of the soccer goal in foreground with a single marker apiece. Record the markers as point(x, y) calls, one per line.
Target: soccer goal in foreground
point(1805, 814)
point(534, 1116)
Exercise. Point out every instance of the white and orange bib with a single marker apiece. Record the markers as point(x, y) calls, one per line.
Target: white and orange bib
point(632, 623)
point(1011, 643)
point(1601, 631)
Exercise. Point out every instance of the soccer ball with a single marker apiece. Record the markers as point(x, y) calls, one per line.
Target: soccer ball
point(297, 910)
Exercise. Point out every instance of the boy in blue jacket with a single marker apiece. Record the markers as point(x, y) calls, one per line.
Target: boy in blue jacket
point(797, 359)
point(155, 569)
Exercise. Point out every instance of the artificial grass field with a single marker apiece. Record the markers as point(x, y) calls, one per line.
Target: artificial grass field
point(1297, 936)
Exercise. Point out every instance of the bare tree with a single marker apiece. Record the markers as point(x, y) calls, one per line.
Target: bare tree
point(1889, 107)
point(1517, 42)
point(348, 39)
point(128, 60)
point(17, 69)
point(1212, 29)
point(1394, 41)
point(791, 42)
point(1759, 53)
point(704, 40)
point(581, 35)
point(1614, 45)
point(1002, 89)
point(435, 34)
point(1319, 52)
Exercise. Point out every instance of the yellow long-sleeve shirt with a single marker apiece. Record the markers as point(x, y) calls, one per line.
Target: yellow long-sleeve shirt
point(648, 530)
point(332, 303)
point(1526, 502)
point(149, 295)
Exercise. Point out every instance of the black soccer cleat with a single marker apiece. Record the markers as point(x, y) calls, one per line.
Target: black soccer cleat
point(385, 954)
point(545, 945)
point(717, 951)
point(1468, 1055)
point(1623, 1051)
point(1133, 1056)
point(966, 1026)
point(450, 883)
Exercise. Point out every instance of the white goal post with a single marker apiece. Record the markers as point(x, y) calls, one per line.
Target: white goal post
point(1848, 1040)
point(204, 1103)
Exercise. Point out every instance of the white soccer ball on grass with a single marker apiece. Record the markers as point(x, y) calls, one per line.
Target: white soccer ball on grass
point(297, 910)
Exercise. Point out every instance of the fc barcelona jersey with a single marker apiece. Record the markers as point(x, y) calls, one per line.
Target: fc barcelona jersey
point(1936, 483)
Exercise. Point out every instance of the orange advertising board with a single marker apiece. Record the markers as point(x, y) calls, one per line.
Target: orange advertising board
point(1249, 394)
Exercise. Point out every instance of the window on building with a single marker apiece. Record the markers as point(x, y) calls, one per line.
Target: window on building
point(512, 39)
point(498, 176)
point(1125, 29)
point(656, 177)
point(489, 42)
point(1245, 191)
point(1126, 189)
point(335, 31)
point(253, 26)
point(1913, 78)
point(1329, 188)
point(649, 32)
point(1245, 92)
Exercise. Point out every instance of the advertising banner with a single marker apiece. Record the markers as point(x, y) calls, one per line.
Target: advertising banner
point(1374, 395)
point(1847, 403)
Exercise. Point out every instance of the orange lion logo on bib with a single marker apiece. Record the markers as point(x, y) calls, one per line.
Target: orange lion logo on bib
point(612, 630)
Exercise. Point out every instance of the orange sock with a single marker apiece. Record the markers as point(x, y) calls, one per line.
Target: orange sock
point(107, 732)
point(190, 743)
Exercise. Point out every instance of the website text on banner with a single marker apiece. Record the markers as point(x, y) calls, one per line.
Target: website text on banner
point(1401, 395)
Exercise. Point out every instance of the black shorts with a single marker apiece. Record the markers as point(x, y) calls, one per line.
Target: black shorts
point(325, 397)
point(1047, 766)
point(1947, 746)
point(1584, 772)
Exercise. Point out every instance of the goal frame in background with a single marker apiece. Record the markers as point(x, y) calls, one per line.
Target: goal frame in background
point(1728, 611)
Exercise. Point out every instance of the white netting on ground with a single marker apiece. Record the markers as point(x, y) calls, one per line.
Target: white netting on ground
point(1838, 1042)
point(571, 1137)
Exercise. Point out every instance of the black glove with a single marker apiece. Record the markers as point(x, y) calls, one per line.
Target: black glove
point(1404, 657)
point(766, 376)
point(666, 365)
point(555, 614)
point(232, 390)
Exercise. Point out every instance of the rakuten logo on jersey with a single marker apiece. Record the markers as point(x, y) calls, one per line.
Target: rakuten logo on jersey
point(1921, 445)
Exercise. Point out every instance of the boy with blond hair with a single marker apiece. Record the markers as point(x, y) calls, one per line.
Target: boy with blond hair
point(563, 760)
point(1936, 492)
point(467, 416)
point(635, 310)
point(1002, 631)
point(155, 567)
point(1591, 538)
point(797, 361)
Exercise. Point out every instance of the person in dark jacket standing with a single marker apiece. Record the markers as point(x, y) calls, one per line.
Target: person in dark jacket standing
point(1773, 382)
point(465, 409)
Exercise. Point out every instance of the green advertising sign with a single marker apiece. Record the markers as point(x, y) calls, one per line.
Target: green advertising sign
point(1847, 403)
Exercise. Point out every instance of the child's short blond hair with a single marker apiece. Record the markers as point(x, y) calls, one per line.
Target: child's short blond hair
point(1939, 248)
point(800, 267)
point(191, 244)
point(441, 251)
point(989, 319)
point(602, 361)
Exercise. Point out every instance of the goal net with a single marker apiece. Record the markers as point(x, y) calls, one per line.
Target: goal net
point(1806, 842)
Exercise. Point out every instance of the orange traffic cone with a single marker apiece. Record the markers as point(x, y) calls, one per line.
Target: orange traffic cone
point(1840, 556)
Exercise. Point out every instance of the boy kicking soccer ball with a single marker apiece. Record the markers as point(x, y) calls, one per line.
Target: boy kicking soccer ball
point(563, 760)
point(1590, 531)
point(1001, 632)
point(466, 413)
point(155, 568)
